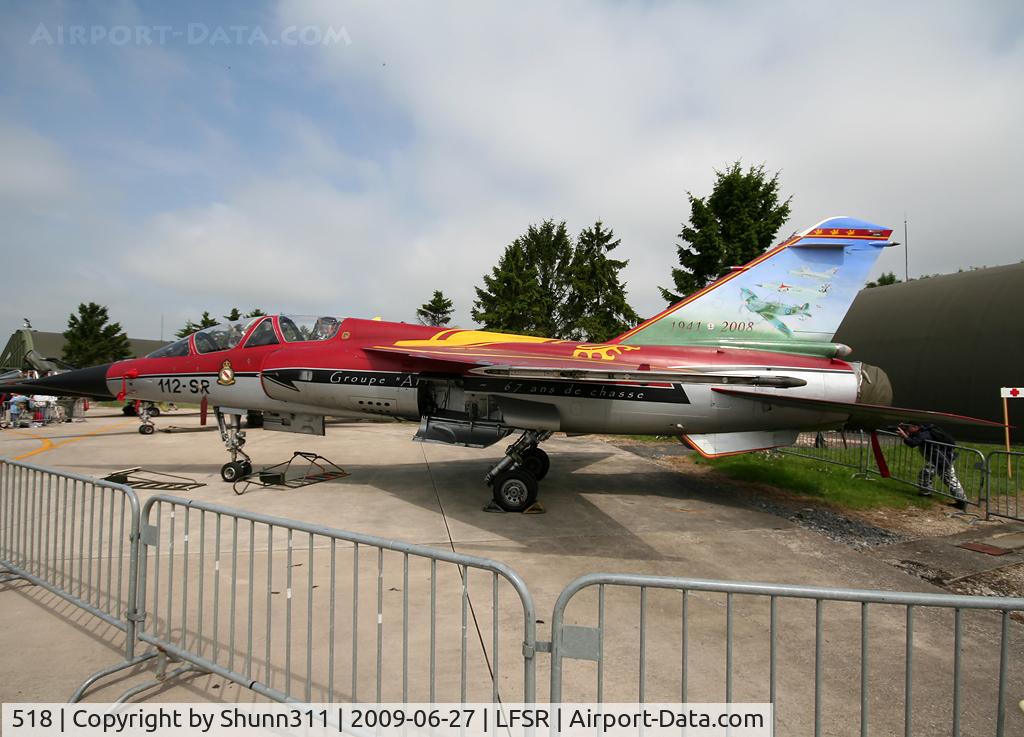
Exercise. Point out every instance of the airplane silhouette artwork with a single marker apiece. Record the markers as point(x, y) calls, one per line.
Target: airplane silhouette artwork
point(771, 310)
point(784, 288)
point(819, 275)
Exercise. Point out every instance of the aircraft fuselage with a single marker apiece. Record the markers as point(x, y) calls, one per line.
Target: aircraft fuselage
point(341, 377)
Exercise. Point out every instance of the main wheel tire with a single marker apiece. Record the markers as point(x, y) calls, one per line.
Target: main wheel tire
point(515, 490)
point(232, 471)
point(154, 411)
point(146, 429)
point(129, 410)
point(537, 462)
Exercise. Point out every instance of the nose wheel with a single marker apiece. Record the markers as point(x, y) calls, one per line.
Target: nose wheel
point(231, 432)
point(234, 470)
point(515, 479)
point(146, 411)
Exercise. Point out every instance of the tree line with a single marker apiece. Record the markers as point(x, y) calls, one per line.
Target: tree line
point(548, 282)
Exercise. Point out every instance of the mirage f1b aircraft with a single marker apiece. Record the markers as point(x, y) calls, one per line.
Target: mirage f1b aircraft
point(710, 369)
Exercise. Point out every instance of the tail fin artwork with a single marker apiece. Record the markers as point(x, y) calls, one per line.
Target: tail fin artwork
point(792, 298)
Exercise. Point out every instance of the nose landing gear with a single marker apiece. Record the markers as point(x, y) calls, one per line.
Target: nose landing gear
point(146, 411)
point(233, 435)
point(514, 480)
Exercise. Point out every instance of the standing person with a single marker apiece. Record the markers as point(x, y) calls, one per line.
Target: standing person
point(936, 445)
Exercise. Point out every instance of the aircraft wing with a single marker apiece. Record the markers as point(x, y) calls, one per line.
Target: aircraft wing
point(783, 328)
point(603, 375)
point(866, 415)
point(492, 362)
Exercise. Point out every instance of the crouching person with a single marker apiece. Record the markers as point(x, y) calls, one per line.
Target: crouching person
point(936, 445)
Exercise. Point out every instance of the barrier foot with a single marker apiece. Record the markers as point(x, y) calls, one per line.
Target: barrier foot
point(160, 680)
point(7, 574)
point(80, 691)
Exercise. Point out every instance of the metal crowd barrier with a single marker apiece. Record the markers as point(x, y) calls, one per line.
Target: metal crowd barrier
point(906, 464)
point(275, 605)
point(75, 537)
point(837, 639)
point(850, 449)
point(1005, 496)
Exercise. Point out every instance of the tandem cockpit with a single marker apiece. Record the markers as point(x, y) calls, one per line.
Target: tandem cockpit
point(253, 332)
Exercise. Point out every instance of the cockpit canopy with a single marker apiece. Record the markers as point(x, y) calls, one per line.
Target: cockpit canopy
point(228, 335)
point(296, 328)
point(221, 337)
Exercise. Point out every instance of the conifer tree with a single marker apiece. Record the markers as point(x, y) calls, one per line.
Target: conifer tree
point(190, 327)
point(885, 280)
point(525, 291)
point(733, 225)
point(92, 339)
point(595, 307)
point(436, 312)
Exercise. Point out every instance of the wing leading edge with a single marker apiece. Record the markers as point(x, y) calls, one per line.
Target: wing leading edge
point(540, 367)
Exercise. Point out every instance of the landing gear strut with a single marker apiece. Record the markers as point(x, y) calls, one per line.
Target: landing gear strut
point(514, 479)
point(233, 435)
point(146, 411)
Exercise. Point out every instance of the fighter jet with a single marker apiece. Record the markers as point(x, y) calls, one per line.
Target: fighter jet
point(771, 310)
point(692, 371)
point(784, 288)
point(805, 272)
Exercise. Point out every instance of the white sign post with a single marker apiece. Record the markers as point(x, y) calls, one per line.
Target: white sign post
point(1008, 393)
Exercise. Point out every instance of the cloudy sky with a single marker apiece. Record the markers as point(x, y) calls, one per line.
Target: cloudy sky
point(350, 158)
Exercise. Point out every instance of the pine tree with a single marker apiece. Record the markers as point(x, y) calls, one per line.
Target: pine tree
point(91, 339)
point(255, 312)
point(436, 312)
point(235, 314)
point(190, 327)
point(595, 308)
point(733, 225)
point(525, 290)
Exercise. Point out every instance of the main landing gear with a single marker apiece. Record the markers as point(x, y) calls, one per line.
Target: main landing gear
point(231, 432)
point(514, 480)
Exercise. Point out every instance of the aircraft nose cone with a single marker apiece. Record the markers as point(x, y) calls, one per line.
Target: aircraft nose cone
point(87, 382)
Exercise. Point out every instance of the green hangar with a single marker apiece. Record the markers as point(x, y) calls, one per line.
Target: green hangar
point(947, 342)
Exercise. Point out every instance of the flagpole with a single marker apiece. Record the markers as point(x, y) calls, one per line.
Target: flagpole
point(906, 250)
point(1006, 428)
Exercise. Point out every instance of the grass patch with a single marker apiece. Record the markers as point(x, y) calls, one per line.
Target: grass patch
point(823, 481)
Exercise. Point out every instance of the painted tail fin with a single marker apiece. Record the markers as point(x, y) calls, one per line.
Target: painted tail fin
point(791, 298)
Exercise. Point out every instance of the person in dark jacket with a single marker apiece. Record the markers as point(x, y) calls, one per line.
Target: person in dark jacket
point(939, 451)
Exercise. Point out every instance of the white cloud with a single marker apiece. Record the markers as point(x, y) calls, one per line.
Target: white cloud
point(510, 114)
point(576, 111)
point(35, 173)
